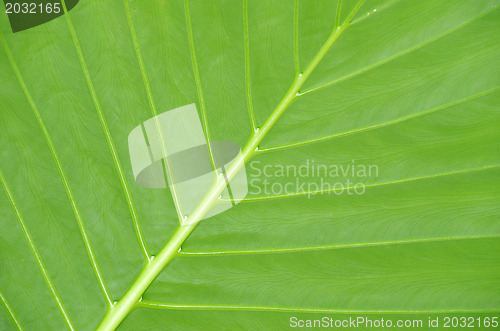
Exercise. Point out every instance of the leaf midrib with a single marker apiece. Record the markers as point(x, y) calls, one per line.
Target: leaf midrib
point(118, 312)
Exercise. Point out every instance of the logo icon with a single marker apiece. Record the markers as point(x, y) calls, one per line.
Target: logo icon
point(171, 150)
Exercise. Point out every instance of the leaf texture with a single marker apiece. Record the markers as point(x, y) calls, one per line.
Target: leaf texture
point(412, 87)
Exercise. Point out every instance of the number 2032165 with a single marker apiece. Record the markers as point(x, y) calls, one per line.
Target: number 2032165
point(470, 322)
point(32, 8)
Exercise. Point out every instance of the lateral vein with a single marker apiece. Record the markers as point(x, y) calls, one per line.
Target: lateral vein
point(394, 182)
point(198, 81)
point(162, 305)
point(11, 312)
point(331, 247)
point(147, 85)
point(379, 10)
point(102, 119)
point(247, 67)
point(398, 55)
point(59, 167)
point(382, 124)
point(38, 258)
point(296, 53)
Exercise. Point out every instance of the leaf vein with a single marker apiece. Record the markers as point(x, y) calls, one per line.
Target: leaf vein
point(335, 246)
point(59, 167)
point(296, 54)
point(379, 10)
point(102, 119)
point(247, 67)
point(198, 81)
point(162, 305)
point(35, 252)
point(398, 55)
point(165, 163)
point(394, 182)
point(383, 124)
point(11, 312)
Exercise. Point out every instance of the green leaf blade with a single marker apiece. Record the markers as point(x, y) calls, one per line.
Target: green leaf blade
point(410, 87)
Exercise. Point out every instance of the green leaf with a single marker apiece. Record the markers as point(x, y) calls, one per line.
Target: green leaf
point(408, 87)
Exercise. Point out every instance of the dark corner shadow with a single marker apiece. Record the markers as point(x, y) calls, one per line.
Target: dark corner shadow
point(26, 14)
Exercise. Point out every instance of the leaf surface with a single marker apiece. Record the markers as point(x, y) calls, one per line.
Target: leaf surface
point(411, 87)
